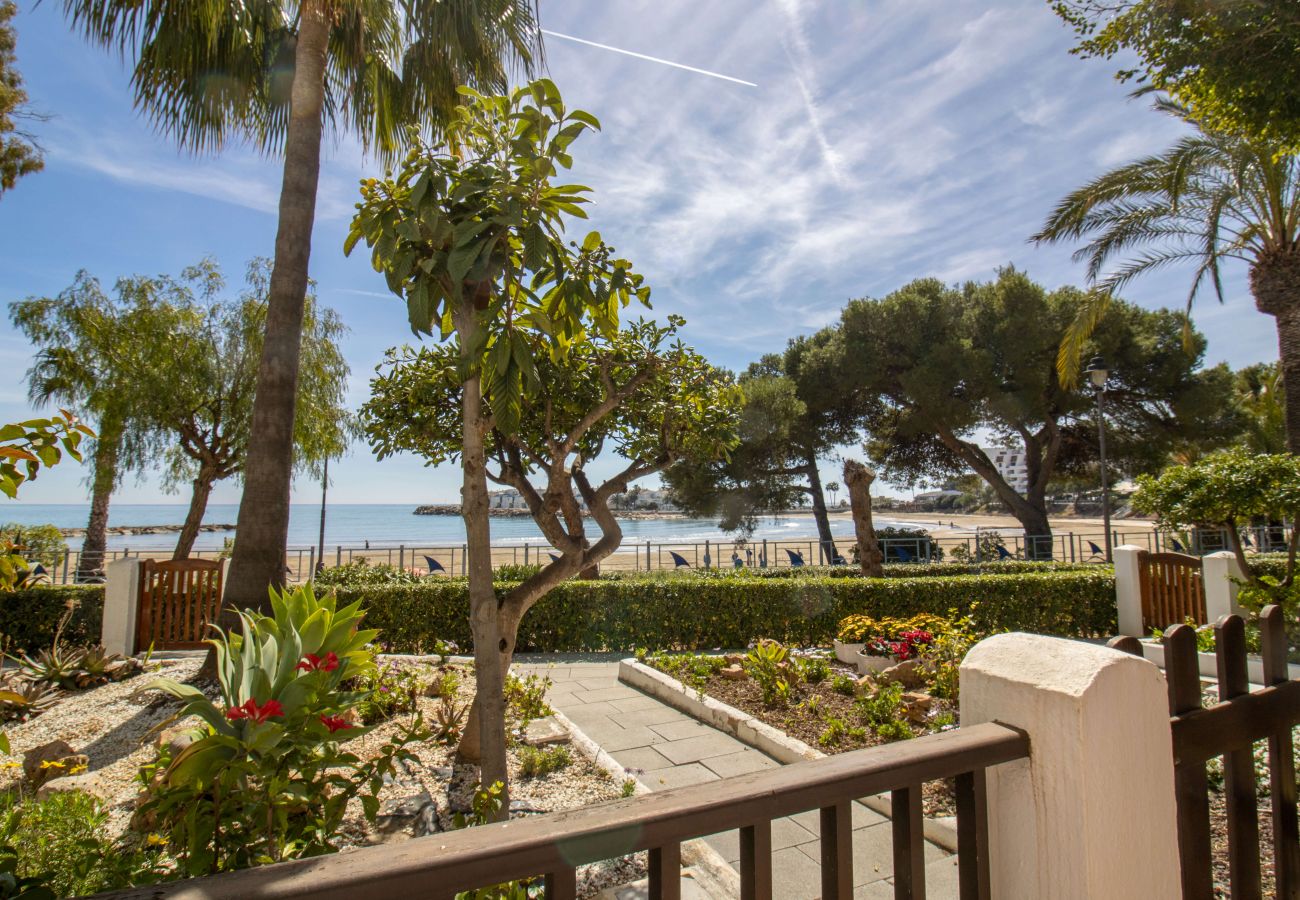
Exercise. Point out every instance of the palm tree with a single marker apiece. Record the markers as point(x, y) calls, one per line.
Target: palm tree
point(276, 74)
point(1209, 198)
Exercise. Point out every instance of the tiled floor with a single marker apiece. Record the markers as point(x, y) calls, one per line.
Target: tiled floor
point(666, 748)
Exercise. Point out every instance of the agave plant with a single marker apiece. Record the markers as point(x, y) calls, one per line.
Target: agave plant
point(98, 666)
point(57, 665)
point(21, 699)
point(449, 719)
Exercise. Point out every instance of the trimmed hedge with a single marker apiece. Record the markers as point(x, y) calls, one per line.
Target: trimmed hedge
point(704, 613)
point(892, 570)
point(672, 611)
point(28, 617)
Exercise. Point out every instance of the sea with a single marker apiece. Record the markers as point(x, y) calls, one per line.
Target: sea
point(352, 525)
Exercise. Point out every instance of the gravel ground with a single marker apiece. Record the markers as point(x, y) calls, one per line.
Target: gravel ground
point(111, 724)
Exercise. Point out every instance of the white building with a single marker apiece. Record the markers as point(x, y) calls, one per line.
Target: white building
point(1010, 463)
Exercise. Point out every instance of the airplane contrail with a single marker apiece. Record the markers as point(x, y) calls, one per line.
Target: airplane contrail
point(655, 59)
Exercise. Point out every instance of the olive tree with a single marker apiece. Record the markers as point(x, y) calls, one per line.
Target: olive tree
point(644, 398)
point(469, 231)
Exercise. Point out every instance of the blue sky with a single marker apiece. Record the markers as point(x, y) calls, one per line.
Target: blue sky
point(880, 141)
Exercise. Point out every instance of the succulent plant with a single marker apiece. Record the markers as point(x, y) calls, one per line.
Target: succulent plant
point(55, 665)
point(448, 719)
point(22, 699)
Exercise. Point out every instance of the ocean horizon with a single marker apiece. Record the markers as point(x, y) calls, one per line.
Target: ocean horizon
point(391, 524)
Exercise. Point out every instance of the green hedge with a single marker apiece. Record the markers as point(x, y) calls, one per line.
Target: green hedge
point(702, 613)
point(892, 570)
point(28, 617)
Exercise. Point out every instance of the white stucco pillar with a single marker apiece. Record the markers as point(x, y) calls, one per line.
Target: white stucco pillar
point(1218, 571)
point(121, 605)
point(1128, 589)
point(1091, 813)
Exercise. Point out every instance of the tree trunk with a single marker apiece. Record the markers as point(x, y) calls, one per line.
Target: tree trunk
point(194, 518)
point(262, 528)
point(1288, 345)
point(857, 479)
point(108, 446)
point(820, 515)
point(489, 646)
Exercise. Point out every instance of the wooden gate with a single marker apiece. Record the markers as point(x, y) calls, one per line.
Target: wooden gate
point(178, 598)
point(1229, 729)
point(1172, 590)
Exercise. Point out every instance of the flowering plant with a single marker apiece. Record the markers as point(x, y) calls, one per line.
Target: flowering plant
point(265, 778)
point(901, 639)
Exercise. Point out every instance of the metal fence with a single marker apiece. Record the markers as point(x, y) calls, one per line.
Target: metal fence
point(982, 545)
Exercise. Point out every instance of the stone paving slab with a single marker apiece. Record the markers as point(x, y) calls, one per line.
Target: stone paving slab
point(666, 748)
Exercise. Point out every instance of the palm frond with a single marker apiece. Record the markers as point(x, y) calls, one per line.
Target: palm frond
point(1069, 357)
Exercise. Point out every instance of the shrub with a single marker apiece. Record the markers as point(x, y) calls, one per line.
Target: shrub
point(515, 572)
point(526, 698)
point(535, 762)
point(266, 778)
point(29, 618)
point(768, 664)
point(359, 572)
point(61, 843)
point(706, 613)
point(42, 544)
point(843, 684)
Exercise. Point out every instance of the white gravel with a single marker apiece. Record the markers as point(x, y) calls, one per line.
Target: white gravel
point(112, 725)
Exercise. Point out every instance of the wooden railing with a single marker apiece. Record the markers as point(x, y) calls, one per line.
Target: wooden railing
point(1173, 589)
point(441, 865)
point(178, 598)
point(1230, 729)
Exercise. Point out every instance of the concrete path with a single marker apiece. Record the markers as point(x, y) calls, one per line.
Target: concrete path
point(666, 748)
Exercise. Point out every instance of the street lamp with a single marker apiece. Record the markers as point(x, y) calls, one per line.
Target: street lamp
point(1097, 375)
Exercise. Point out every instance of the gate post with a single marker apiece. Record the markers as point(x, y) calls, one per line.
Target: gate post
point(1128, 589)
point(121, 606)
point(1091, 812)
point(1217, 572)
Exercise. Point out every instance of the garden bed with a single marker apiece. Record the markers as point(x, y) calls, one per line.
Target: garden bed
point(115, 727)
point(829, 709)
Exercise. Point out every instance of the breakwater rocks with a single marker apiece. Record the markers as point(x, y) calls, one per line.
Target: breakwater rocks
point(453, 509)
point(143, 529)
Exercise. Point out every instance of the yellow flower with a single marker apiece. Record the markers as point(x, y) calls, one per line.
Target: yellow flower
point(52, 764)
point(155, 840)
point(11, 765)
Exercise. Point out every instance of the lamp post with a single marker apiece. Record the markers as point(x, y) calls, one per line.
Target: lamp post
point(324, 489)
point(1097, 375)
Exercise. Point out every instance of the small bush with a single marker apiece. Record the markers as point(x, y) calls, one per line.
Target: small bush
point(62, 843)
point(692, 669)
point(843, 684)
point(515, 572)
point(526, 698)
point(536, 762)
point(359, 572)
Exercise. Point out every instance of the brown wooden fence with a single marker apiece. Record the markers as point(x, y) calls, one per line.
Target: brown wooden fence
point(1230, 729)
point(178, 598)
point(1173, 589)
point(442, 865)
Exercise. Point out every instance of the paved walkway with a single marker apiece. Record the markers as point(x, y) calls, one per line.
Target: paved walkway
point(668, 749)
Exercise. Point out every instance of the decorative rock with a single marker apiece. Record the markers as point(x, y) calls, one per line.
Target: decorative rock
point(917, 705)
point(50, 760)
point(176, 738)
point(734, 659)
point(405, 813)
point(907, 673)
point(734, 673)
point(545, 731)
point(865, 685)
point(86, 782)
point(523, 806)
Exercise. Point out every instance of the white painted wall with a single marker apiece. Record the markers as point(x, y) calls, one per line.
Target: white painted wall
point(1128, 589)
point(1092, 813)
point(1218, 571)
point(121, 604)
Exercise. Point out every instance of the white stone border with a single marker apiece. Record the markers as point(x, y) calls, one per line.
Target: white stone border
point(758, 734)
point(718, 873)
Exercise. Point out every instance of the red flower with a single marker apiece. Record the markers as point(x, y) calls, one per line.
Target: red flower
point(252, 712)
point(917, 636)
point(901, 649)
point(335, 723)
point(313, 663)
